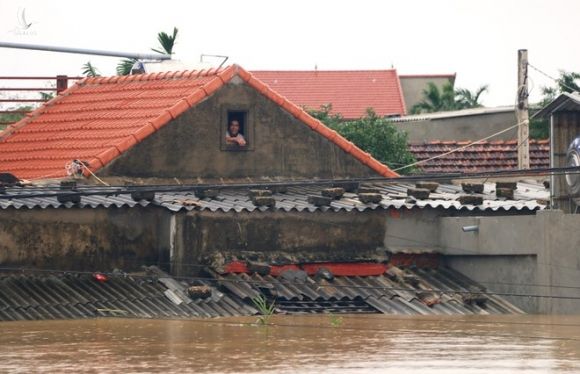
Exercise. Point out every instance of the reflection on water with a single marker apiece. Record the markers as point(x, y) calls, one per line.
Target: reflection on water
point(306, 344)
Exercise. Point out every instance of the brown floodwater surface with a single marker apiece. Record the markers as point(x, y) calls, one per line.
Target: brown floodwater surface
point(304, 344)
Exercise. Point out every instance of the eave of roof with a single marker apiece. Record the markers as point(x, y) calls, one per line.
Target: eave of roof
point(565, 102)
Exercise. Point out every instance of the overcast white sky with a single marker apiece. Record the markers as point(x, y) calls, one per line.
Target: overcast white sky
point(478, 40)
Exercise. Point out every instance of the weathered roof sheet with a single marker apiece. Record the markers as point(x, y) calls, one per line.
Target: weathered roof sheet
point(98, 119)
point(528, 196)
point(400, 291)
point(565, 102)
point(350, 92)
point(480, 157)
point(75, 296)
point(454, 114)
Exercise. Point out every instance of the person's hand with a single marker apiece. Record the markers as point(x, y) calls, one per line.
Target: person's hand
point(241, 141)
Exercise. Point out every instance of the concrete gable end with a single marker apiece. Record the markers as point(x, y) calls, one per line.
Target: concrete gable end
point(192, 146)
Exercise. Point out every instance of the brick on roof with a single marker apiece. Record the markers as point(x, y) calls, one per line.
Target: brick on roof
point(98, 119)
point(350, 92)
point(486, 156)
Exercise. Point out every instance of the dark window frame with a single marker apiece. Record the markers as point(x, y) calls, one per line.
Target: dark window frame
point(248, 128)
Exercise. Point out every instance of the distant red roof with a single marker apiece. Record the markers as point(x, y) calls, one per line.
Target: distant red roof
point(486, 156)
point(350, 92)
point(98, 119)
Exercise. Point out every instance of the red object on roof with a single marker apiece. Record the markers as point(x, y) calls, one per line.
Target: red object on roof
point(98, 119)
point(350, 92)
point(481, 157)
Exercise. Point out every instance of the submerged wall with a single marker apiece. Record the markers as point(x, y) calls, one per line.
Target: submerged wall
point(84, 239)
point(308, 236)
point(520, 255)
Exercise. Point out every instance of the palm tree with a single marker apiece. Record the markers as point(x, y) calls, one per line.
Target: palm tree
point(435, 100)
point(90, 71)
point(468, 99)
point(166, 41)
point(124, 66)
point(448, 98)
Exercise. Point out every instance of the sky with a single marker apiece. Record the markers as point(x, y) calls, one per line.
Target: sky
point(477, 40)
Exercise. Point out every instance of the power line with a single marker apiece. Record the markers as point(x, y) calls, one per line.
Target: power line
point(53, 191)
point(557, 81)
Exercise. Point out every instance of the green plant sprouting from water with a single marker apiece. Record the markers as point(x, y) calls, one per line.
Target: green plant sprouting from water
point(335, 321)
point(266, 310)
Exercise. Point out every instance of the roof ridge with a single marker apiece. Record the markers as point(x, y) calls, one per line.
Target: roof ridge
point(164, 75)
point(325, 71)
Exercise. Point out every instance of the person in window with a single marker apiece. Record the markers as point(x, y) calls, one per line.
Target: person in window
point(233, 135)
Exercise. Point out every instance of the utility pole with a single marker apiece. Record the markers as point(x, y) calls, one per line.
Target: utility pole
point(522, 111)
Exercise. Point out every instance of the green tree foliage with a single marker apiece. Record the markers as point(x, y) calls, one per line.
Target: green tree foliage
point(167, 42)
point(373, 134)
point(124, 66)
point(447, 98)
point(6, 118)
point(89, 70)
point(566, 82)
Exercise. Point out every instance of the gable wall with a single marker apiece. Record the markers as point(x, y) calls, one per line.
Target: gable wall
point(282, 146)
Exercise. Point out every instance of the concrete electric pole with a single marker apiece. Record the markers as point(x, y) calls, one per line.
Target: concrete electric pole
point(522, 111)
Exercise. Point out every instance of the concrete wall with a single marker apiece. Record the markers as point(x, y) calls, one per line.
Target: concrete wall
point(521, 255)
point(302, 235)
point(192, 146)
point(413, 87)
point(83, 239)
point(460, 128)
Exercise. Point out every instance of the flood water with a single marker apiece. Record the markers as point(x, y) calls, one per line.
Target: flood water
point(304, 344)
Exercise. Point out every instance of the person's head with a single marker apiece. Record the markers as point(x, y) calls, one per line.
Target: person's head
point(234, 128)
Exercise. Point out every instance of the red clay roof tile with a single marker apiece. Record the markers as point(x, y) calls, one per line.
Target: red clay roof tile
point(349, 92)
point(480, 157)
point(100, 118)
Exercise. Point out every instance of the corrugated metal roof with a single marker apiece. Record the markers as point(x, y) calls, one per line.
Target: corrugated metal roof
point(400, 291)
point(565, 102)
point(75, 296)
point(528, 196)
point(453, 114)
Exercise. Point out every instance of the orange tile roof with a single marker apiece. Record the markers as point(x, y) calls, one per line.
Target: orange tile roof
point(481, 157)
point(98, 119)
point(350, 92)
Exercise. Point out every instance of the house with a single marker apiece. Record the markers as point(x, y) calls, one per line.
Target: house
point(481, 157)
point(133, 171)
point(351, 92)
point(171, 125)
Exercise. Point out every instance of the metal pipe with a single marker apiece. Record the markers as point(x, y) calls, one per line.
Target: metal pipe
point(37, 47)
point(473, 228)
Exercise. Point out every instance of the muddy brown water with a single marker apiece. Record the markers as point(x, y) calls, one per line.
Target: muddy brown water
point(290, 344)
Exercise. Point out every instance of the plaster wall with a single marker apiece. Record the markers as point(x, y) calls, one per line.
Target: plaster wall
point(527, 255)
point(192, 147)
point(460, 128)
point(305, 236)
point(83, 239)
